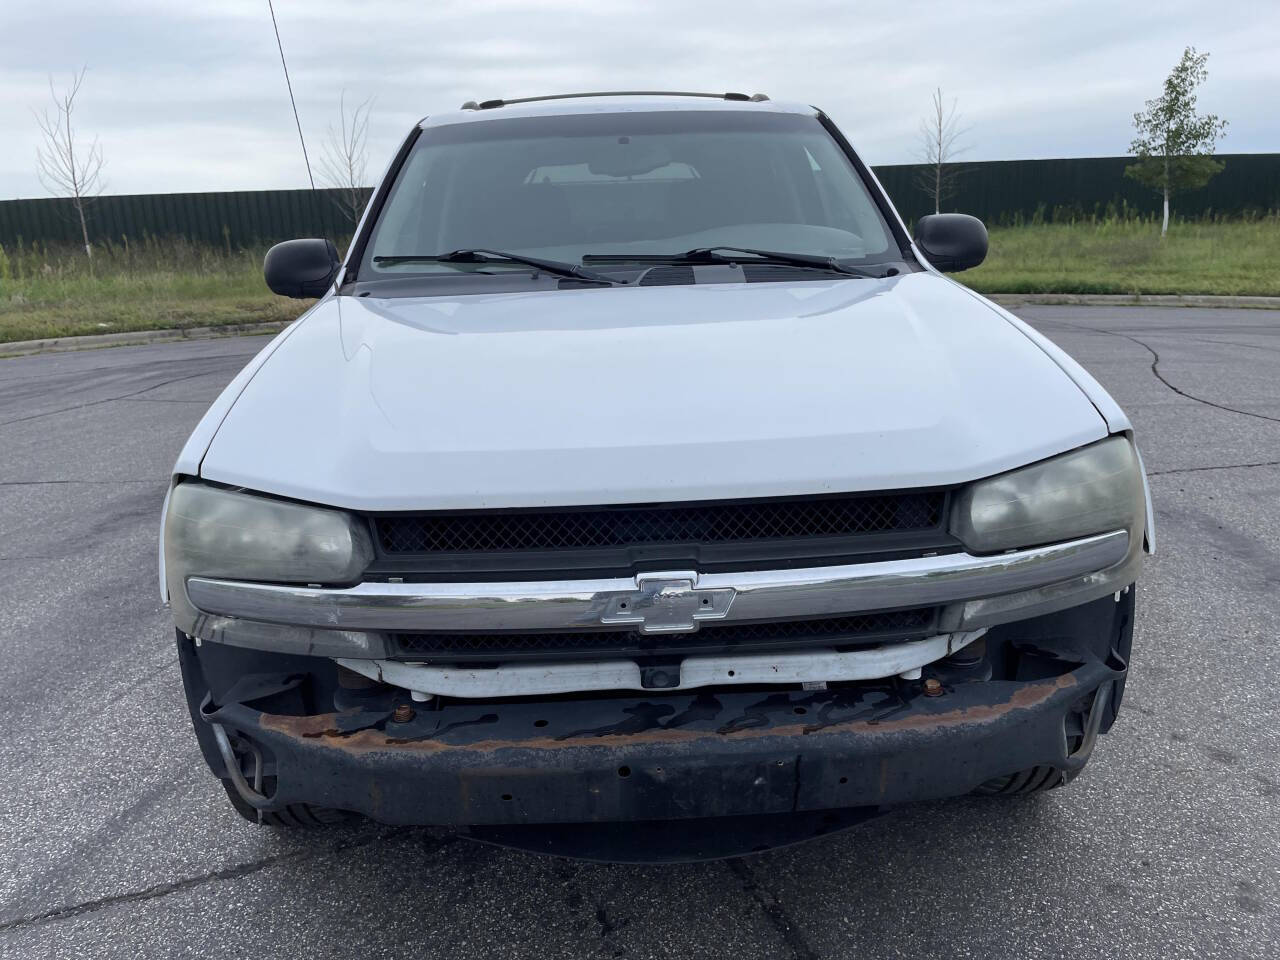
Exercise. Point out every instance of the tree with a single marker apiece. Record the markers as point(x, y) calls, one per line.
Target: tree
point(343, 157)
point(1174, 145)
point(940, 137)
point(64, 165)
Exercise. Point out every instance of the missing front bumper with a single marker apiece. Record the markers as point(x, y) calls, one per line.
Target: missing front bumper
point(712, 753)
point(693, 756)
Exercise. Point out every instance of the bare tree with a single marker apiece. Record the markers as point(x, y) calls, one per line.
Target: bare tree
point(343, 157)
point(65, 166)
point(940, 136)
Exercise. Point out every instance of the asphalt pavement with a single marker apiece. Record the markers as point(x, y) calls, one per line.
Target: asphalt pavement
point(116, 841)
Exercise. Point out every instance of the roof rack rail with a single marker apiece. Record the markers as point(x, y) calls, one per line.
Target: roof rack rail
point(491, 104)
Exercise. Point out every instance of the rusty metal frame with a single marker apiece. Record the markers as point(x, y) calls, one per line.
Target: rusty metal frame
point(631, 759)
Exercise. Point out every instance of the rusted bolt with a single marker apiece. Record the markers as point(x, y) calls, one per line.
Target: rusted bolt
point(403, 714)
point(933, 687)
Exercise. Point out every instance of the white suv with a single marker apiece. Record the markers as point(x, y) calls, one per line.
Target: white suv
point(637, 465)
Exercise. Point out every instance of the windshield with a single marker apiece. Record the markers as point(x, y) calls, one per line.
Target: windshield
point(617, 184)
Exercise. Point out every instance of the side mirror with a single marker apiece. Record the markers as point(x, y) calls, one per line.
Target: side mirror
point(952, 241)
point(301, 268)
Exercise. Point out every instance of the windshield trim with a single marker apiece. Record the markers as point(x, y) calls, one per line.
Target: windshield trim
point(364, 231)
point(881, 199)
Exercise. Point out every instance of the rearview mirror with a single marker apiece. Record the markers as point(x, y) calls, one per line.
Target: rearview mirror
point(627, 159)
point(952, 241)
point(301, 268)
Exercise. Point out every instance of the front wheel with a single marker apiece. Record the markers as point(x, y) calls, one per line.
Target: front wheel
point(1027, 782)
point(296, 816)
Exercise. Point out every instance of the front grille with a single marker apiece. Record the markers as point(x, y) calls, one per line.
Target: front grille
point(789, 519)
point(852, 630)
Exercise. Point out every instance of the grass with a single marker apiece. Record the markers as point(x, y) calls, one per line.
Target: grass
point(158, 286)
point(1240, 257)
point(172, 284)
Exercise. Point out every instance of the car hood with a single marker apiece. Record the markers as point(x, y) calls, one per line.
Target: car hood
point(647, 394)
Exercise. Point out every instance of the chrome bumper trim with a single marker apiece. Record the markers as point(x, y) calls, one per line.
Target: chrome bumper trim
point(533, 680)
point(675, 602)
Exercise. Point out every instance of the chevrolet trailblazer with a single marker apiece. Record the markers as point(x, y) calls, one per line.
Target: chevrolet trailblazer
point(636, 465)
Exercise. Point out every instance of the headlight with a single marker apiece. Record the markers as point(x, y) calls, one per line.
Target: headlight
point(1091, 490)
point(213, 532)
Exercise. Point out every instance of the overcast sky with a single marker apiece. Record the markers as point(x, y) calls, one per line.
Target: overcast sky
point(190, 96)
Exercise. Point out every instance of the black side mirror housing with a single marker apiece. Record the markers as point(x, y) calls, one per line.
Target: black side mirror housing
point(952, 241)
point(301, 268)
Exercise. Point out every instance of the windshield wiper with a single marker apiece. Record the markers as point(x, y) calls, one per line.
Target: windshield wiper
point(709, 255)
point(481, 255)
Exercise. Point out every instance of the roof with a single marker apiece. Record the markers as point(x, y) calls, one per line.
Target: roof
point(610, 103)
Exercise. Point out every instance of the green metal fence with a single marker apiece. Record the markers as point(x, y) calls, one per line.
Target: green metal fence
point(1002, 191)
point(1012, 191)
point(234, 219)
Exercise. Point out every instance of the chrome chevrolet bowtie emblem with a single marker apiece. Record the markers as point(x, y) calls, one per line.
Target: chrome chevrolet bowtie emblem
point(667, 603)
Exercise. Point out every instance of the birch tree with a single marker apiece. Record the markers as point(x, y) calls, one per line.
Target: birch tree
point(344, 157)
point(940, 143)
point(67, 167)
point(1174, 145)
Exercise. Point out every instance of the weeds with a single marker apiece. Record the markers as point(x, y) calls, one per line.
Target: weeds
point(142, 284)
point(1124, 254)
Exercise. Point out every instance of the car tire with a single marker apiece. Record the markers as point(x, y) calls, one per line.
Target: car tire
point(1026, 783)
point(296, 816)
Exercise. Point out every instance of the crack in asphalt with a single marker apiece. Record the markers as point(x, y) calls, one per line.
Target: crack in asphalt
point(1155, 369)
point(96, 483)
point(171, 361)
point(151, 893)
point(161, 400)
point(1234, 343)
point(1225, 466)
point(132, 686)
point(773, 910)
point(187, 883)
point(94, 403)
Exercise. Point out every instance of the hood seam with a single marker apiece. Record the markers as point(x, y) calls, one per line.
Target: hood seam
point(995, 308)
point(273, 346)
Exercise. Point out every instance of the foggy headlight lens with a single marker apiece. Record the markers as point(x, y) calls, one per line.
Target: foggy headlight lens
point(213, 532)
point(1091, 490)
